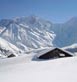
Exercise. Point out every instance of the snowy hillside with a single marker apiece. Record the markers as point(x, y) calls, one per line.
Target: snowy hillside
point(6, 48)
point(22, 69)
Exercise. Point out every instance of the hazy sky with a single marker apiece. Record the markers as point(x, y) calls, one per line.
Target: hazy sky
point(54, 10)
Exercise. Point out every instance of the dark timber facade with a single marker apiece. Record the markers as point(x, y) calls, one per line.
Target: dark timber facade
point(55, 53)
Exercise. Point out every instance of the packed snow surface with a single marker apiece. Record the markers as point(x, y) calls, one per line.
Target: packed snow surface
point(23, 69)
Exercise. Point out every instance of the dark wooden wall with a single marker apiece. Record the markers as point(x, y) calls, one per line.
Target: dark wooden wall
point(54, 54)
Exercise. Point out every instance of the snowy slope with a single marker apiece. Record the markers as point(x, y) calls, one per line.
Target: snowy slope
point(72, 48)
point(66, 33)
point(57, 70)
point(6, 48)
point(27, 33)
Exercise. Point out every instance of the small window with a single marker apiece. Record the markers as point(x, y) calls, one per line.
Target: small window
point(62, 55)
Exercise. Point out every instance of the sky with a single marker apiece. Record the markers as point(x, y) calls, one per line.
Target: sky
point(53, 10)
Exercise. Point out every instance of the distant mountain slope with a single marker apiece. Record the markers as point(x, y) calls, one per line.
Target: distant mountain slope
point(27, 32)
point(66, 33)
point(32, 32)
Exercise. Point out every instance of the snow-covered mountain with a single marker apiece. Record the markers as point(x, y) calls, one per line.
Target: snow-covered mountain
point(27, 33)
point(66, 33)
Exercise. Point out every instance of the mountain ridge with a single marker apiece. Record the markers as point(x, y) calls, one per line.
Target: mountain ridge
point(27, 33)
point(32, 32)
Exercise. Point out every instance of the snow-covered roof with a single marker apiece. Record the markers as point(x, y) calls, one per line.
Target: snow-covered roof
point(50, 49)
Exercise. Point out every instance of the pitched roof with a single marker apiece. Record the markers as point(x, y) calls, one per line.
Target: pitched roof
point(50, 49)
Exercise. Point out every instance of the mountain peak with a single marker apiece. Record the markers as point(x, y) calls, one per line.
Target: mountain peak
point(6, 22)
point(29, 19)
point(72, 20)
